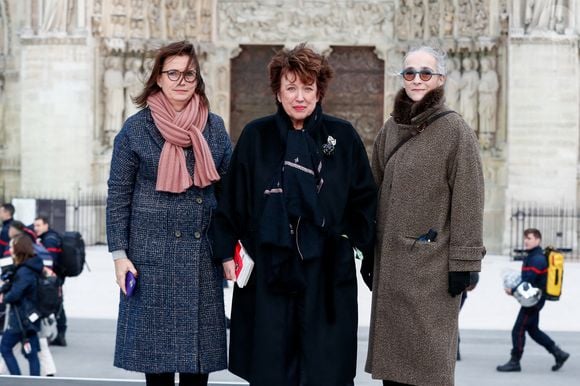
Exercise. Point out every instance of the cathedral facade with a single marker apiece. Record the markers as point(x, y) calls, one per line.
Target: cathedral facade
point(68, 70)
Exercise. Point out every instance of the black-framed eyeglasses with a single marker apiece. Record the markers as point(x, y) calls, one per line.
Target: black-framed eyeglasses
point(175, 75)
point(425, 74)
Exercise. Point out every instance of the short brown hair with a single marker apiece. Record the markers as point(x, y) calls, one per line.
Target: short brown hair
point(533, 231)
point(182, 48)
point(305, 63)
point(22, 248)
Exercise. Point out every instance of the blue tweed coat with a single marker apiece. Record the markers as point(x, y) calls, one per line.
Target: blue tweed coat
point(175, 320)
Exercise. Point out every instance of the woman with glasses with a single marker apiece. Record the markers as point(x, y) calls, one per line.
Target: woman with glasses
point(427, 165)
point(300, 196)
point(167, 160)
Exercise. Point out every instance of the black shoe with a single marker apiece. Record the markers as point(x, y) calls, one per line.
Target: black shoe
point(561, 357)
point(512, 365)
point(58, 341)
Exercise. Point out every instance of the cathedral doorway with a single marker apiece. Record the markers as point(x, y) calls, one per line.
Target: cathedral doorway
point(355, 94)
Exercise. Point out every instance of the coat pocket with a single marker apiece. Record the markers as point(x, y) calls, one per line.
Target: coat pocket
point(148, 236)
point(344, 267)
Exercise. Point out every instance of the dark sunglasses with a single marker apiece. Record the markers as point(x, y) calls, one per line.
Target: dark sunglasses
point(425, 75)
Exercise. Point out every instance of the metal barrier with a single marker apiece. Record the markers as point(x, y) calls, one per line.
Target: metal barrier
point(85, 212)
point(559, 226)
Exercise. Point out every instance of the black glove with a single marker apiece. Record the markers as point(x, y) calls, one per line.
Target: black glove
point(458, 282)
point(366, 271)
point(473, 280)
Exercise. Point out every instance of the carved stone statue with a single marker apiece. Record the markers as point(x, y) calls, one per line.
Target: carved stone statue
point(154, 18)
point(488, 88)
point(114, 98)
point(448, 16)
point(452, 83)
point(468, 96)
point(402, 26)
point(54, 15)
point(434, 17)
point(418, 19)
point(540, 15)
point(172, 18)
point(133, 85)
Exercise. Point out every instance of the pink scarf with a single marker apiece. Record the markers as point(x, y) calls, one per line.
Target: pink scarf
point(182, 129)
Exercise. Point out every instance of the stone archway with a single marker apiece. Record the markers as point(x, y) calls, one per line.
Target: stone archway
point(357, 91)
point(251, 96)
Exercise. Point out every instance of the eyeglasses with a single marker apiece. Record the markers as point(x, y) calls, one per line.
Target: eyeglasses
point(175, 75)
point(425, 75)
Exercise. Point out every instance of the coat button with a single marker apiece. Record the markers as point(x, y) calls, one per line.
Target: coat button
point(197, 235)
point(177, 233)
point(199, 200)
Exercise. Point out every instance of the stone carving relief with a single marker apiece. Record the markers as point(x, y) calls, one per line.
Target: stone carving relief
point(475, 95)
point(249, 22)
point(541, 17)
point(133, 84)
point(428, 19)
point(453, 83)
point(488, 89)
point(55, 15)
point(469, 84)
point(161, 20)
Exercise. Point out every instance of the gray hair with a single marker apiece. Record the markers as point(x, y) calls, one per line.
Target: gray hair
point(436, 53)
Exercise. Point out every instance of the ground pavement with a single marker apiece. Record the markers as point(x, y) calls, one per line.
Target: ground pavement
point(485, 322)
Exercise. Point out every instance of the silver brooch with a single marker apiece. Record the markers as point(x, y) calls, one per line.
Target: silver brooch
point(328, 147)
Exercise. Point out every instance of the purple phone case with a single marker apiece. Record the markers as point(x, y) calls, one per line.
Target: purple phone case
point(130, 283)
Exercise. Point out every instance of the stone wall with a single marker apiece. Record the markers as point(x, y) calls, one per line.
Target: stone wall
point(79, 62)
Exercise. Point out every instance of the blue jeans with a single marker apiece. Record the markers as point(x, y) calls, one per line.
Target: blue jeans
point(9, 339)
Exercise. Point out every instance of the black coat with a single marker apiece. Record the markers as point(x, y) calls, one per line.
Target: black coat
point(260, 316)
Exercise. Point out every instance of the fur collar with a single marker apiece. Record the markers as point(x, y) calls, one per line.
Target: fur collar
point(406, 109)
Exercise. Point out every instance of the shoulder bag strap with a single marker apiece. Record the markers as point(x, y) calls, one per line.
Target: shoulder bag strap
point(419, 130)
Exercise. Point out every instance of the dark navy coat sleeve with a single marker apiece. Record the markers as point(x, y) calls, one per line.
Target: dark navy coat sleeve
point(534, 269)
point(124, 168)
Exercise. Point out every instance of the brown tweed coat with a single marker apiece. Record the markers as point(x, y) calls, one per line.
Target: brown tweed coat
point(433, 181)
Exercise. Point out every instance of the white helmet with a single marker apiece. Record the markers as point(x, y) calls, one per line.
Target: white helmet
point(527, 295)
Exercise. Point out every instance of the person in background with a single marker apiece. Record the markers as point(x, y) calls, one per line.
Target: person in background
point(6, 215)
point(473, 280)
point(535, 272)
point(427, 165)
point(17, 228)
point(19, 292)
point(52, 241)
point(167, 161)
point(300, 196)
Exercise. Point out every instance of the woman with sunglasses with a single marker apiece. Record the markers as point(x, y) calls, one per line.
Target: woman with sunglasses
point(429, 229)
point(167, 160)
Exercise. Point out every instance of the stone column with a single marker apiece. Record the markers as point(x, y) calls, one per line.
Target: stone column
point(543, 126)
point(56, 119)
point(221, 60)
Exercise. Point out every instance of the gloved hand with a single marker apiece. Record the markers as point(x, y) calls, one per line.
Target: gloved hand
point(458, 282)
point(473, 280)
point(366, 271)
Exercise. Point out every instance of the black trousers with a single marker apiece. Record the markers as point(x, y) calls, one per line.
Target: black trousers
point(168, 379)
point(528, 321)
point(393, 383)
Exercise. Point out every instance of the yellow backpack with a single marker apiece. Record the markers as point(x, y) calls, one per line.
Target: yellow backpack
point(555, 273)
